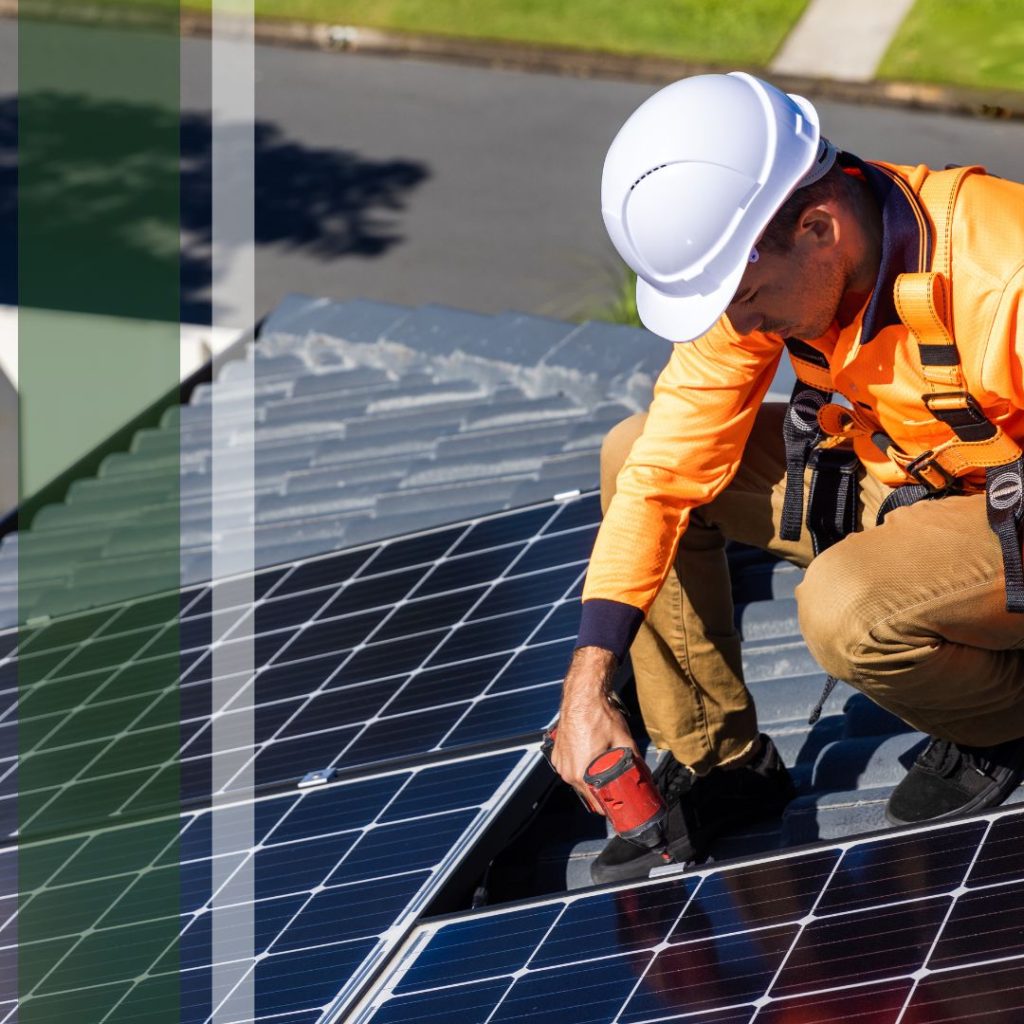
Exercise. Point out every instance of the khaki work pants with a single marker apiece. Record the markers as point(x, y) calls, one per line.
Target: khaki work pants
point(911, 612)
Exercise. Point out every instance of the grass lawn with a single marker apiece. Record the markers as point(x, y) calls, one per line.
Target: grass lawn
point(964, 42)
point(717, 31)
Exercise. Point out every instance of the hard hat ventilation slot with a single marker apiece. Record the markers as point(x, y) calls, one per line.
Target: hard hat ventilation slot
point(646, 174)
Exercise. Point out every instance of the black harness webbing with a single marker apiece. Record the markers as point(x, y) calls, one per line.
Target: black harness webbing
point(832, 503)
point(1004, 493)
point(801, 434)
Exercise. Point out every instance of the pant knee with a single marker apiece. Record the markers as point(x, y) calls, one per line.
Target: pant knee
point(615, 449)
point(836, 607)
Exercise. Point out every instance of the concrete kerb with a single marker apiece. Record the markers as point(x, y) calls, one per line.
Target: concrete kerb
point(342, 39)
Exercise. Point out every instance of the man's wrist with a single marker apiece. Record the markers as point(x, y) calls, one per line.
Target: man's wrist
point(591, 669)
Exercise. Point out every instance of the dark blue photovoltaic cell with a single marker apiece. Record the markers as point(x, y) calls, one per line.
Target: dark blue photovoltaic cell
point(429, 613)
point(468, 1004)
point(472, 950)
point(862, 947)
point(447, 786)
point(298, 679)
point(393, 737)
point(450, 683)
point(987, 994)
point(616, 922)
point(297, 981)
point(321, 572)
point(395, 658)
point(281, 870)
point(195, 841)
point(293, 758)
point(999, 859)
point(585, 511)
point(281, 612)
point(983, 925)
point(114, 853)
point(406, 845)
point(558, 549)
point(351, 911)
point(562, 624)
point(582, 993)
point(269, 918)
point(470, 570)
point(78, 628)
point(511, 529)
point(738, 1015)
point(372, 592)
point(331, 635)
point(873, 1004)
point(510, 714)
point(526, 591)
point(751, 897)
point(475, 639)
point(533, 666)
point(338, 707)
point(414, 551)
point(321, 811)
point(710, 974)
point(895, 869)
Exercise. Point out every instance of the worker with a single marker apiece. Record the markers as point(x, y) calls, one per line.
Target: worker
point(894, 475)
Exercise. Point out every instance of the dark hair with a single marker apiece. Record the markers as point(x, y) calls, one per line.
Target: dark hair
point(781, 230)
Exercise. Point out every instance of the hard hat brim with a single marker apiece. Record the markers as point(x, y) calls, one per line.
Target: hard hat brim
point(684, 318)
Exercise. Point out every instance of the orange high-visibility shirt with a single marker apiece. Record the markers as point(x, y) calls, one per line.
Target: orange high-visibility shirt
point(706, 398)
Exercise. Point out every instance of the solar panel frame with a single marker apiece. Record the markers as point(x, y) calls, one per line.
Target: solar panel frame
point(930, 910)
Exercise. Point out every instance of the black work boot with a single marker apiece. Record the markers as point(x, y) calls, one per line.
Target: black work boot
point(701, 808)
point(948, 780)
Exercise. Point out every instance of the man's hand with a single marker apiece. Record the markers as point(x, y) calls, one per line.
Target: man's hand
point(588, 724)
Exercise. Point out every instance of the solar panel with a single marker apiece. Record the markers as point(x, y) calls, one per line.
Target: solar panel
point(917, 927)
point(340, 872)
point(437, 642)
point(410, 675)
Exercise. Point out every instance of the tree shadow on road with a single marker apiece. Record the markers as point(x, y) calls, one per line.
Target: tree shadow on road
point(98, 180)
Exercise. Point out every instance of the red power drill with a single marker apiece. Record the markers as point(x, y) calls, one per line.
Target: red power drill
point(622, 784)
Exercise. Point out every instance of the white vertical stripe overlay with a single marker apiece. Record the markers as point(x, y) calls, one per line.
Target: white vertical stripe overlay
point(232, 561)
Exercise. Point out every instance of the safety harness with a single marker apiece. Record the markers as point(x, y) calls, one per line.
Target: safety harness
point(819, 433)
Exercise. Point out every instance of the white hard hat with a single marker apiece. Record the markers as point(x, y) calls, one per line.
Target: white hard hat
point(690, 183)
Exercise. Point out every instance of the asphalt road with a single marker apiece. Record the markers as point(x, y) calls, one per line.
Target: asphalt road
point(418, 182)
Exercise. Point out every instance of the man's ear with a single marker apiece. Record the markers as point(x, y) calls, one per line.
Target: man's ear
point(819, 226)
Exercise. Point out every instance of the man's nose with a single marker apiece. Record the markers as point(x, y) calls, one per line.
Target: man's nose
point(743, 320)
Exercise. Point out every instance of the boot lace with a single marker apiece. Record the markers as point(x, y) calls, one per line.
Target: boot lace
point(942, 757)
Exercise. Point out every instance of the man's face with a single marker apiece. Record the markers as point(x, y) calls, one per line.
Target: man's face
point(794, 294)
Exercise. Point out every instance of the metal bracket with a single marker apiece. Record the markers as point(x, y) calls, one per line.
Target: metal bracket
point(318, 778)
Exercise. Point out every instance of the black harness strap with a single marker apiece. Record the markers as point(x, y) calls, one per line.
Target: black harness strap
point(1004, 494)
point(832, 503)
point(908, 494)
point(801, 434)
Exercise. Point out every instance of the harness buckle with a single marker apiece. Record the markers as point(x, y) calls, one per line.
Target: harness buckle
point(927, 472)
point(944, 405)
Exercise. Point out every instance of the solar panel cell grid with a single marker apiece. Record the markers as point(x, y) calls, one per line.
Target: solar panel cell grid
point(896, 928)
point(335, 868)
point(384, 652)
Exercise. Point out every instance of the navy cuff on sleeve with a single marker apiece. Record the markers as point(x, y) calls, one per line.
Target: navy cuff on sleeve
point(609, 624)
